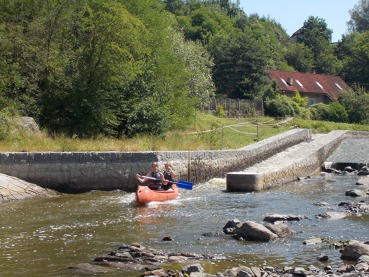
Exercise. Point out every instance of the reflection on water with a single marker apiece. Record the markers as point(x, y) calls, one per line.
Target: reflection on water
point(45, 236)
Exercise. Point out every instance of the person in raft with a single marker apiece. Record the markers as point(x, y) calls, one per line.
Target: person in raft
point(155, 173)
point(169, 175)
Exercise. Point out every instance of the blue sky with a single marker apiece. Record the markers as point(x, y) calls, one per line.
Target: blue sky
point(291, 14)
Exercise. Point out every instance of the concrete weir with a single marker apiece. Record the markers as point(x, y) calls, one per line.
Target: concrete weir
point(84, 171)
point(300, 160)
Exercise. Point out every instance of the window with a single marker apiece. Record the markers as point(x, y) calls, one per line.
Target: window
point(338, 86)
point(298, 82)
point(319, 84)
point(284, 82)
point(311, 101)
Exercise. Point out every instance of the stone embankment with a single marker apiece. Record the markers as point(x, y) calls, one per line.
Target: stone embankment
point(302, 160)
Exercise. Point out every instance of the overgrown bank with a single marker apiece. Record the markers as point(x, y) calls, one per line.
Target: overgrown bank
point(206, 133)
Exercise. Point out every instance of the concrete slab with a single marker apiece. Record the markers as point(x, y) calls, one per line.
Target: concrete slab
point(300, 160)
point(12, 188)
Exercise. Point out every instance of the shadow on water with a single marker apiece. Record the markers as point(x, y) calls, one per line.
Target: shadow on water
point(46, 236)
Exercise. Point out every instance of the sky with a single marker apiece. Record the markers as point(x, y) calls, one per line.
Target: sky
point(292, 14)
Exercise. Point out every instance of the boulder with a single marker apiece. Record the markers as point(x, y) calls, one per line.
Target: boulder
point(364, 171)
point(234, 223)
point(355, 193)
point(281, 230)
point(278, 217)
point(27, 124)
point(363, 181)
point(332, 215)
point(363, 259)
point(349, 169)
point(231, 226)
point(354, 250)
point(256, 232)
point(313, 241)
point(188, 269)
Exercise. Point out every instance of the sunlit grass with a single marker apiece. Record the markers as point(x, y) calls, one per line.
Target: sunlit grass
point(206, 133)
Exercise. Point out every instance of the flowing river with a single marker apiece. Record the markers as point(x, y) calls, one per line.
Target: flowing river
point(45, 236)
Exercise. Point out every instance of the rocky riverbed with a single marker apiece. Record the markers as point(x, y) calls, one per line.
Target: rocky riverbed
point(138, 260)
point(136, 257)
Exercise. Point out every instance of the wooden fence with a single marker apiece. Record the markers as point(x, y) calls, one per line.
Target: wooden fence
point(235, 107)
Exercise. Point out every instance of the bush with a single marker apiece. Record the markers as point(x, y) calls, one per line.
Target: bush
point(332, 112)
point(356, 105)
point(283, 106)
point(319, 111)
point(5, 126)
point(219, 111)
point(337, 112)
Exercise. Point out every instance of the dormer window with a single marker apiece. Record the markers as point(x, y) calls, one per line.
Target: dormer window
point(284, 82)
point(298, 82)
point(337, 85)
point(319, 84)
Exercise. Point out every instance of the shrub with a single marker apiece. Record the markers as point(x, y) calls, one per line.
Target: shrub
point(283, 106)
point(332, 112)
point(220, 111)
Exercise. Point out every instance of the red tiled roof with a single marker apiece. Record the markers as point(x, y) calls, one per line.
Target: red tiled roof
point(308, 83)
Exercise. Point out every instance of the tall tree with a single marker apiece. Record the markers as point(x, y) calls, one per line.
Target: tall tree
point(300, 57)
point(356, 69)
point(359, 21)
point(315, 35)
point(239, 65)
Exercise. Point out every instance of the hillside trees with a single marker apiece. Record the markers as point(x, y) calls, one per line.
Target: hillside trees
point(354, 50)
point(316, 35)
point(94, 67)
point(359, 21)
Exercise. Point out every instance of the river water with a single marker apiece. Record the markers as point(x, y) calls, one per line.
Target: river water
point(43, 237)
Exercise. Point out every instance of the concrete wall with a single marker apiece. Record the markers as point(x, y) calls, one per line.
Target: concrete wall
point(84, 171)
point(301, 160)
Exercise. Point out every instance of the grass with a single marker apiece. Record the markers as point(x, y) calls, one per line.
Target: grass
point(206, 133)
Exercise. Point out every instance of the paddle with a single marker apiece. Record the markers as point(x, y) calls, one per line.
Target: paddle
point(181, 184)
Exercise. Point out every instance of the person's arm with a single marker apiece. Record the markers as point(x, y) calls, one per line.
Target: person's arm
point(172, 173)
point(165, 182)
point(140, 179)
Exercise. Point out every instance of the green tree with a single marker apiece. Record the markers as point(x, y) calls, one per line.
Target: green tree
point(153, 98)
point(300, 57)
point(315, 35)
point(87, 101)
point(356, 64)
point(239, 66)
point(359, 17)
point(356, 104)
point(198, 65)
point(240, 60)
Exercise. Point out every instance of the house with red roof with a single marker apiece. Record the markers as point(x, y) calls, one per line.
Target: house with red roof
point(319, 88)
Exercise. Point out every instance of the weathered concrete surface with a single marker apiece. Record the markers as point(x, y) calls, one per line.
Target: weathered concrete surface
point(301, 160)
point(86, 171)
point(353, 151)
point(12, 188)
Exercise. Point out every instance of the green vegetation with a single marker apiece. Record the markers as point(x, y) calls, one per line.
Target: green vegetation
point(207, 132)
point(115, 69)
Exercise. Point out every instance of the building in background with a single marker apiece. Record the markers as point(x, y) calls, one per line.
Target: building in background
point(319, 88)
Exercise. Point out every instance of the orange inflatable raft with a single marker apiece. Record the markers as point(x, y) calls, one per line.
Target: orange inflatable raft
point(145, 195)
